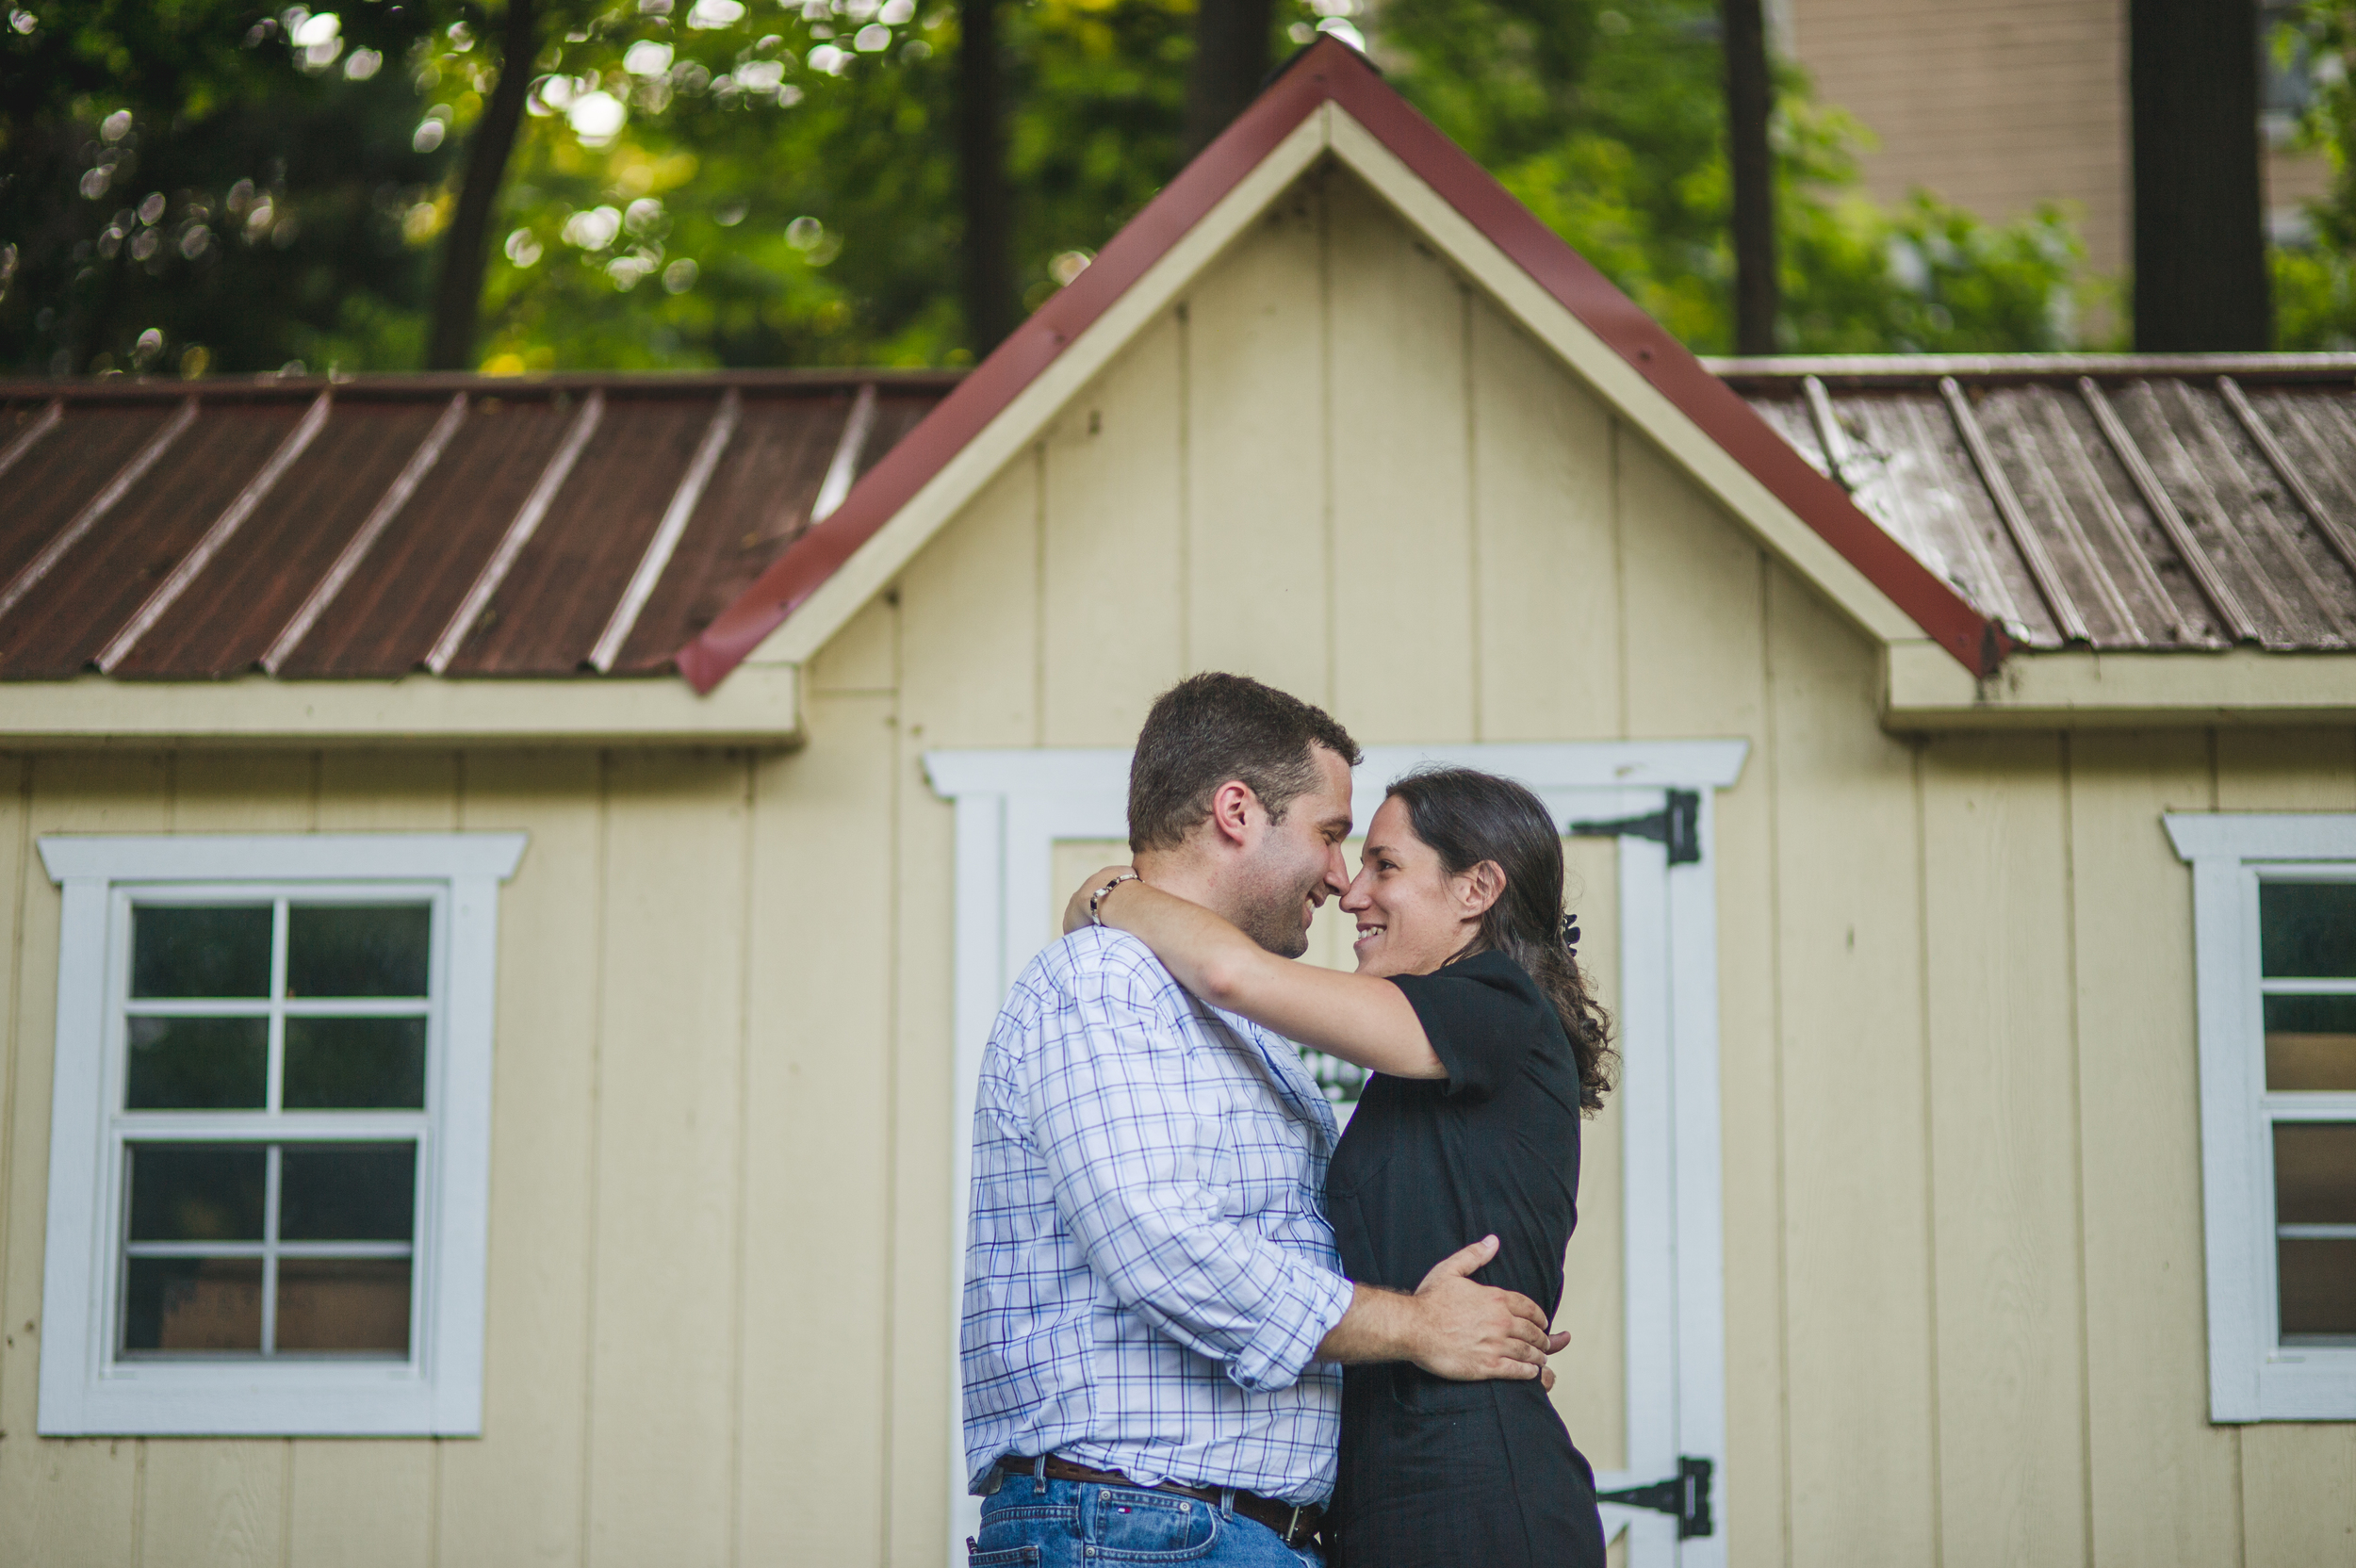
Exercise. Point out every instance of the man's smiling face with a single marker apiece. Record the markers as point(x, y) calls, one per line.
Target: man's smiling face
point(1297, 864)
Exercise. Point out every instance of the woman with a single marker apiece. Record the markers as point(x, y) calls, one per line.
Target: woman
point(1469, 1008)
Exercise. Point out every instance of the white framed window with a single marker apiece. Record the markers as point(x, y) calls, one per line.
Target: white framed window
point(270, 1133)
point(2274, 925)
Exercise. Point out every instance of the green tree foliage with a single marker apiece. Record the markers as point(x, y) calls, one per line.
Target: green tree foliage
point(183, 185)
point(2315, 281)
point(719, 183)
point(1606, 120)
point(752, 182)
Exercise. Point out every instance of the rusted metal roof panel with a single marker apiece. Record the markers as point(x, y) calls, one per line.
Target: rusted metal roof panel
point(757, 501)
point(2115, 503)
point(372, 528)
point(227, 618)
point(74, 599)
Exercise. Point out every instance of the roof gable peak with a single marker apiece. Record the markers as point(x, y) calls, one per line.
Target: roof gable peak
point(1331, 103)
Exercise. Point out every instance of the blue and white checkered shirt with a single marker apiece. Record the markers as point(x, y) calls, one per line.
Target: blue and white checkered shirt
point(1148, 1269)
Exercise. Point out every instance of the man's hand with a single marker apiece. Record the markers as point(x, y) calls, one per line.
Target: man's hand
point(1469, 1331)
point(1076, 914)
point(1452, 1327)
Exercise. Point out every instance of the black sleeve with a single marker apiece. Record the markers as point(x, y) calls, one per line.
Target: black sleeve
point(1483, 1016)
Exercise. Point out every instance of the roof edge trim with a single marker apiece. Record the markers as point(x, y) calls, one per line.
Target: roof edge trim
point(761, 708)
point(1923, 690)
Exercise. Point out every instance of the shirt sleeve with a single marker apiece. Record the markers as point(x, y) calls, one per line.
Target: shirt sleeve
point(1480, 1022)
point(1130, 1139)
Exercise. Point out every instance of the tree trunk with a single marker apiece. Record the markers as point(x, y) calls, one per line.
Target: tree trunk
point(2199, 232)
point(991, 309)
point(1230, 60)
point(458, 293)
point(1750, 98)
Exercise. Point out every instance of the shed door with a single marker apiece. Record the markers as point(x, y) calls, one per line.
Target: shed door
point(1642, 1385)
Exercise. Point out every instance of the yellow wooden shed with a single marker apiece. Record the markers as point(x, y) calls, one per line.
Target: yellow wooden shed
point(508, 884)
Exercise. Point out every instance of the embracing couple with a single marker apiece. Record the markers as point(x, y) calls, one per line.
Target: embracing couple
point(1197, 1331)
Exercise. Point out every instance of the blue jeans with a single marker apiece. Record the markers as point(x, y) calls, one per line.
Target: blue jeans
point(1032, 1524)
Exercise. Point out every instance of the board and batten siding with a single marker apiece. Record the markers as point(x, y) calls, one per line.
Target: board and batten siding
point(1961, 1149)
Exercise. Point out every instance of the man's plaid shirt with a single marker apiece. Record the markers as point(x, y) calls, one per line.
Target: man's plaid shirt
point(1149, 1269)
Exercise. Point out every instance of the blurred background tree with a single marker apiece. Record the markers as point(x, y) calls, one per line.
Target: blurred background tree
point(203, 183)
point(748, 182)
point(2315, 275)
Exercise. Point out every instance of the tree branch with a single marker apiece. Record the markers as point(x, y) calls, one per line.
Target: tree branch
point(458, 293)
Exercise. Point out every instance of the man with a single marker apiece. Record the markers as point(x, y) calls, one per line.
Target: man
point(1154, 1319)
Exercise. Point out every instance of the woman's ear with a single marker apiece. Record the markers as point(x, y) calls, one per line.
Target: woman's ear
point(1479, 887)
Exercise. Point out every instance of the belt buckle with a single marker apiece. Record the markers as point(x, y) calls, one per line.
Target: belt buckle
point(1292, 1524)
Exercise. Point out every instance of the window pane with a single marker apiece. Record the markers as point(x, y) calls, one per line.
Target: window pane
point(342, 1064)
point(2308, 929)
point(358, 949)
point(185, 1304)
point(196, 1192)
point(2317, 1282)
point(2314, 1173)
point(2311, 1044)
point(197, 1064)
point(347, 1192)
point(179, 950)
point(344, 1304)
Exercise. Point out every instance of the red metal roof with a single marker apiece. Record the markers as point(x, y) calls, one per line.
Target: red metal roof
point(1330, 71)
point(466, 524)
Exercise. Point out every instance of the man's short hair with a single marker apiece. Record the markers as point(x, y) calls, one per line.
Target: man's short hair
point(1213, 728)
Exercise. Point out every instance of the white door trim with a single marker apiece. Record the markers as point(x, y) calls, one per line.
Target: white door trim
point(1013, 805)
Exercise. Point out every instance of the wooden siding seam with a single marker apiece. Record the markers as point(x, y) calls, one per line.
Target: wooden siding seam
point(1038, 592)
point(599, 916)
point(1920, 762)
point(1184, 319)
point(2241, 1497)
point(1322, 195)
point(738, 1241)
point(1769, 771)
point(1472, 500)
point(285, 1486)
point(895, 802)
point(1616, 433)
point(2066, 758)
point(436, 1465)
point(11, 1047)
point(138, 1500)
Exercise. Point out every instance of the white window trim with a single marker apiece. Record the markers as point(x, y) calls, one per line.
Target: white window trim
point(2251, 1378)
point(438, 1391)
point(1013, 805)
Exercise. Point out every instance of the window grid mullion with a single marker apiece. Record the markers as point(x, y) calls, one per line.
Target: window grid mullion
point(270, 1253)
point(276, 1095)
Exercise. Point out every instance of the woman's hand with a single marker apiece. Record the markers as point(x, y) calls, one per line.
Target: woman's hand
point(1076, 914)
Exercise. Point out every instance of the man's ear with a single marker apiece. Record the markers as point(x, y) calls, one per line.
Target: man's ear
point(1234, 811)
point(1479, 887)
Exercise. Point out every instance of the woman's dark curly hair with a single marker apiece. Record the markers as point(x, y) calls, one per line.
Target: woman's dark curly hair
point(1469, 817)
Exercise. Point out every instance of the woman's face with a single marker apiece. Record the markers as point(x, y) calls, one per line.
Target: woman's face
point(1413, 916)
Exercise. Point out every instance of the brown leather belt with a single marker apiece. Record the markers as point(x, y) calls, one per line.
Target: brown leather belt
point(1294, 1525)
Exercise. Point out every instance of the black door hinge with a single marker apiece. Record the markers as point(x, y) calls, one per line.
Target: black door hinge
point(1685, 1494)
point(1677, 824)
